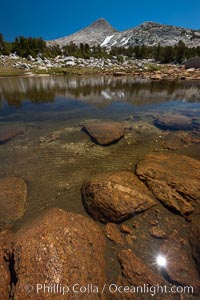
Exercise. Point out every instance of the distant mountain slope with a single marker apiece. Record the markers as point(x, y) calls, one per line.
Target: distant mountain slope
point(148, 33)
point(93, 34)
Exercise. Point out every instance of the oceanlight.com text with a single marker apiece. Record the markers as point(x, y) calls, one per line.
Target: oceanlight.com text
point(112, 288)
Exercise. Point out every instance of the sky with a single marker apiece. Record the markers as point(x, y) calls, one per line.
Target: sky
point(54, 19)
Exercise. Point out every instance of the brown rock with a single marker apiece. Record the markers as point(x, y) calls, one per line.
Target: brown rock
point(104, 132)
point(174, 180)
point(195, 242)
point(156, 77)
point(112, 232)
point(59, 248)
point(135, 271)
point(180, 265)
point(135, 225)
point(194, 136)
point(173, 140)
point(153, 222)
point(130, 239)
point(9, 132)
point(115, 197)
point(157, 232)
point(4, 270)
point(119, 74)
point(13, 194)
point(125, 229)
point(173, 122)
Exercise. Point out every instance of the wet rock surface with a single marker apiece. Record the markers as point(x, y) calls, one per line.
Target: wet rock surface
point(136, 271)
point(174, 180)
point(9, 132)
point(196, 123)
point(112, 233)
point(116, 196)
point(180, 267)
point(195, 242)
point(104, 132)
point(13, 195)
point(62, 248)
point(4, 269)
point(173, 140)
point(157, 232)
point(125, 229)
point(173, 122)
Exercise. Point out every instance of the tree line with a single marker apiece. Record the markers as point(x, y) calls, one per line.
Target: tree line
point(164, 54)
point(34, 46)
point(22, 46)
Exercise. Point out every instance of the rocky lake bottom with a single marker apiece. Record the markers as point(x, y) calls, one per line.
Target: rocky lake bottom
point(99, 175)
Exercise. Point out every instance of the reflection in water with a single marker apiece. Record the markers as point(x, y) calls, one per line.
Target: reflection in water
point(54, 156)
point(99, 89)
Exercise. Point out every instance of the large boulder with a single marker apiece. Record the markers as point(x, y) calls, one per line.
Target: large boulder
point(104, 132)
point(62, 250)
point(180, 267)
point(173, 122)
point(114, 197)
point(9, 132)
point(193, 62)
point(13, 194)
point(174, 180)
point(195, 242)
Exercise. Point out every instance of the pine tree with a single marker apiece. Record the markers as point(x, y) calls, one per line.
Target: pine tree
point(180, 52)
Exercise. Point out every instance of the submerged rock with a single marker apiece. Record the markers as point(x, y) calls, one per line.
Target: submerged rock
point(112, 233)
point(136, 271)
point(157, 232)
point(125, 229)
point(59, 248)
point(104, 132)
point(173, 122)
point(174, 180)
point(180, 267)
point(9, 132)
point(114, 197)
point(13, 195)
point(4, 269)
point(195, 242)
point(196, 124)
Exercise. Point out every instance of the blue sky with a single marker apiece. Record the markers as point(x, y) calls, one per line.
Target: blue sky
point(52, 19)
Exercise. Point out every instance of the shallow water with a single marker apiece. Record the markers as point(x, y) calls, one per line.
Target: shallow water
point(54, 156)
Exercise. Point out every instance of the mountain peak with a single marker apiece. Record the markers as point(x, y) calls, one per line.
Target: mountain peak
point(148, 33)
point(101, 24)
point(100, 21)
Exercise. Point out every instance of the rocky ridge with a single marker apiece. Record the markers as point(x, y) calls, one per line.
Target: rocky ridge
point(148, 33)
point(95, 34)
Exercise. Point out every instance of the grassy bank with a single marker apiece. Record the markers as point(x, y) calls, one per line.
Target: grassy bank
point(8, 71)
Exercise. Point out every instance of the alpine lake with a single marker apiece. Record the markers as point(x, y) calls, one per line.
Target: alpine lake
point(54, 155)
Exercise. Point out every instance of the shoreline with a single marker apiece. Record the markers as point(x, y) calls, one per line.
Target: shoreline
point(174, 74)
point(13, 66)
